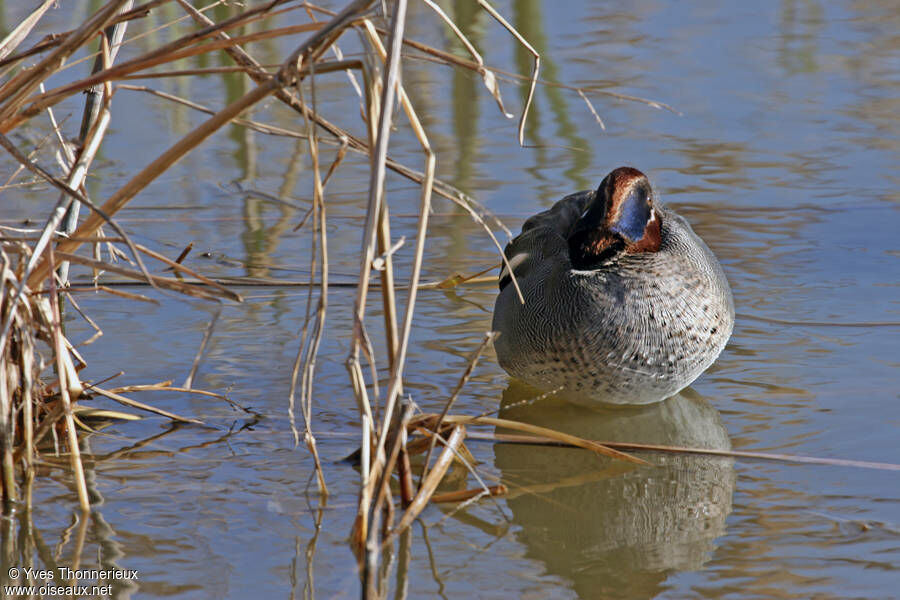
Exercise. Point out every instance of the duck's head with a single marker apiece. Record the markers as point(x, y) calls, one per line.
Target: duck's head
point(620, 218)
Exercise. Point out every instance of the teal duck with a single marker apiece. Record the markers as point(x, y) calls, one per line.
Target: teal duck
point(624, 303)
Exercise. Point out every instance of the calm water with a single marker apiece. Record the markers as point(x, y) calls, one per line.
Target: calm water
point(784, 158)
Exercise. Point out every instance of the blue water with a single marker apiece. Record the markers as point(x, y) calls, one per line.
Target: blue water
point(782, 155)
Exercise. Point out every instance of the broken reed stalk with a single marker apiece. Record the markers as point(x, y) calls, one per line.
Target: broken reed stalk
point(466, 495)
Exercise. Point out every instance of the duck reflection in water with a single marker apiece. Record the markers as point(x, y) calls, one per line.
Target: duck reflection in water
point(610, 528)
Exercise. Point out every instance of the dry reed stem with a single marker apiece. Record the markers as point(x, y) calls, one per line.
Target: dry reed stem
point(395, 382)
point(189, 380)
point(404, 469)
point(158, 166)
point(431, 482)
point(389, 301)
point(387, 288)
point(361, 523)
point(21, 31)
point(534, 72)
point(172, 51)
point(6, 429)
point(591, 108)
point(254, 125)
point(189, 289)
point(7, 392)
point(177, 267)
point(487, 76)
point(50, 228)
point(115, 292)
point(136, 404)
point(94, 122)
point(466, 495)
point(78, 174)
point(390, 87)
point(371, 102)
point(533, 429)
point(301, 347)
point(470, 366)
point(97, 331)
point(27, 400)
point(55, 39)
point(63, 373)
point(15, 91)
point(166, 386)
point(793, 458)
point(312, 349)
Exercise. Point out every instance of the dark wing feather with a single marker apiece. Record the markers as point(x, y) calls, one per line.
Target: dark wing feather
point(544, 234)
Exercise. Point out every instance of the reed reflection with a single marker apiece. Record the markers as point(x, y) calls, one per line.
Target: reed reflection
point(611, 528)
point(529, 20)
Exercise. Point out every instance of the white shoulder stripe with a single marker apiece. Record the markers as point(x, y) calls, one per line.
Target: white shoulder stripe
point(514, 262)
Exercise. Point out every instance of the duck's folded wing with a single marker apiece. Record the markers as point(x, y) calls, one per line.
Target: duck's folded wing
point(560, 217)
point(543, 236)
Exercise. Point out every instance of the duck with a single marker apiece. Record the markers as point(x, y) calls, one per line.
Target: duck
point(621, 302)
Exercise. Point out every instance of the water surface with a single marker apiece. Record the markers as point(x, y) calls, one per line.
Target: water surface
point(784, 159)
